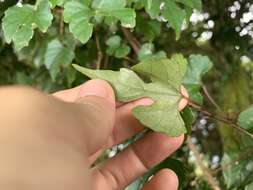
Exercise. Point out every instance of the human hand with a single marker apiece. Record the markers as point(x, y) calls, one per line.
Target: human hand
point(118, 172)
point(50, 144)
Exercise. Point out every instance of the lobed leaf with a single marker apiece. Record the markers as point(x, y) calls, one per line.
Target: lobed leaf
point(171, 11)
point(198, 66)
point(116, 9)
point(19, 22)
point(166, 76)
point(78, 14)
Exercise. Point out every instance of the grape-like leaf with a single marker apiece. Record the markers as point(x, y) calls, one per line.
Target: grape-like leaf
point(175, 15)
point(171, 11)
point(166, 76)
point(19, 22)
point(198, 66)
point(77, 13)
point(116, 9)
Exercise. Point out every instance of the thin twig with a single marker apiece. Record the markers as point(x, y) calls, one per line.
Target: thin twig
point(209, 97)
point(100, 54)
point(106, 61)
point(129, 59)
point(61, 27)
point(220, 118)
point(208, 176)
point(132, 40)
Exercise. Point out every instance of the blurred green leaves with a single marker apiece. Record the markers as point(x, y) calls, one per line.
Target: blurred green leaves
point(147, 52)
point(198, 66)
point(245, 119)
point(58, 56)
point(116, 47)
point(171, 11)
point(19, 22)
point(115, 9)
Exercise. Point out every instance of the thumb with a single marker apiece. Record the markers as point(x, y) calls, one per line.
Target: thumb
point(96, 110)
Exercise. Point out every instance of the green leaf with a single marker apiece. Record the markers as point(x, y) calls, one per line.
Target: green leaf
point(116, 48)
point(123, 51)
point(169, 71)
point(147, 52)
point(152, 28)
point(198, 66)
point(58, 55)
point(194, 4)
point(57, 2)
point(109, 4)
point(194, 92)
point(189, 118)
point(166, 76)
point(152, 7)
point(239, 173)
point(115, 8)
point(249, 186)
point(175, 15)
point(77, 13)
point(19, 22)
point(245, 119)
point(114, 42)
point(172, 11)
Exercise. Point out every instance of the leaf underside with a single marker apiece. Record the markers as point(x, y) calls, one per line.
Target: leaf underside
point(166, 77)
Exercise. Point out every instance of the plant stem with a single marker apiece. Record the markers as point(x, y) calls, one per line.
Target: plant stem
point(132, 40)
point(100, 54)
point(219, 118)
point(209, 97)
point(61, 27)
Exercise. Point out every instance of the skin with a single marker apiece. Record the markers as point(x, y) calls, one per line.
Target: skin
point(49, 142)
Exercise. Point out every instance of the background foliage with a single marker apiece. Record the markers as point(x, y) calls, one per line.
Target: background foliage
point(40, 39)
